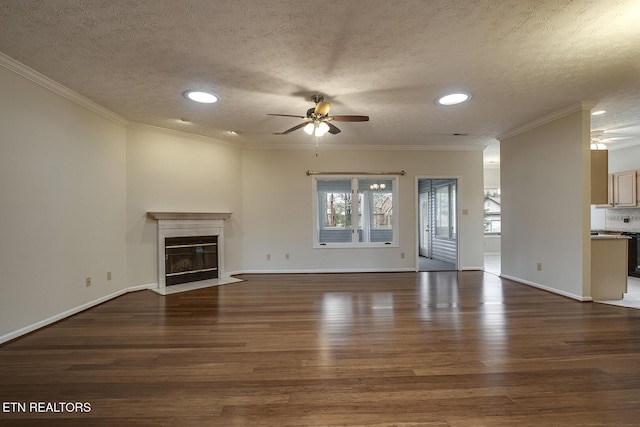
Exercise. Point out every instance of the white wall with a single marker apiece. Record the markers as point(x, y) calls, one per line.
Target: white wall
point(172, 172)
point(62, 181)
point(492, 177)
point(545, 184)
point(624, 159)
point(277, 200)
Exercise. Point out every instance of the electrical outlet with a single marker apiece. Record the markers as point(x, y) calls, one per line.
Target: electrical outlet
point(108, 275)
point(268, 257)
point(539, 266)
point(87, 282)
point(286, 256)
point(402, 255)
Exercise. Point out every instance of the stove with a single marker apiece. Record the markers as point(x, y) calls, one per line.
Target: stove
point(634, 253)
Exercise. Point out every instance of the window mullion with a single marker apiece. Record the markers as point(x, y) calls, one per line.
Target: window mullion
point(355, 203)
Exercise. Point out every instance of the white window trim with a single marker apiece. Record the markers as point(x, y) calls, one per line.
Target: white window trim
point(350, 245)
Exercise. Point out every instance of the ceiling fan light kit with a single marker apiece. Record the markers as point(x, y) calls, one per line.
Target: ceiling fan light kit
point(318, 129)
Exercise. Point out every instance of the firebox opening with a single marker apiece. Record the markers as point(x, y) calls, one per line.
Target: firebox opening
point(190, 259)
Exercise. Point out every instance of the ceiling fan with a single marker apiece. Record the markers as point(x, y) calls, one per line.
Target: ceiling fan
point(317, 122)
point(601, 137)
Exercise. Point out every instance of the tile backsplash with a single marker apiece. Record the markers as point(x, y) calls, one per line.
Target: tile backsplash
point(614, 219)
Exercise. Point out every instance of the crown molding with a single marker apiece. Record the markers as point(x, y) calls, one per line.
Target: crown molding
point(55, 87)
point(179, 133)
point(363, 147)
point(573, 108)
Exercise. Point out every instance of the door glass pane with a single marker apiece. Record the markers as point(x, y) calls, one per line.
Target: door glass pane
point(424, 224)
point(453, 210)
point(442, 211)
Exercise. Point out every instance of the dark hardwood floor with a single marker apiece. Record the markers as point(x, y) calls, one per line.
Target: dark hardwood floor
point(392, 349)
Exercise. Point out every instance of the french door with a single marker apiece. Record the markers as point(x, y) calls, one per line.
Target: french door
point(437, 220)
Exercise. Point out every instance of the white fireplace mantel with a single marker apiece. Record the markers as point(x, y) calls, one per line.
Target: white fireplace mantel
point(182, 224)
point(187, 216)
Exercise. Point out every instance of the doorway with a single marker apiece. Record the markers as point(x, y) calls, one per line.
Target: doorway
point(437, 224)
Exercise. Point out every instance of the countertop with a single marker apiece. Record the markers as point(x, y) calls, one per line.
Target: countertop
point(608, 235)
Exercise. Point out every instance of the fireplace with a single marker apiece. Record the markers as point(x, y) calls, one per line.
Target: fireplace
point(190, 259)
point(190, 248)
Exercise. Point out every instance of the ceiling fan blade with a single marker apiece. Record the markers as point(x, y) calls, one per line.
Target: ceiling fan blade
point(322, 108)
point(333, 129)
point(286, 115)
point(292, 129)
point(614, 138)
point(350, 118)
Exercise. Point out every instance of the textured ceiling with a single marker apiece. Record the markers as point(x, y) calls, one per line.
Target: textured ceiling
point(387, 59)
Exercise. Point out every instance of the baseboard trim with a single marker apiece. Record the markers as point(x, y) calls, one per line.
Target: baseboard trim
point(46, 322)
point(320, 271)
point(547, 288)
point(141, 287)
point(479, 268)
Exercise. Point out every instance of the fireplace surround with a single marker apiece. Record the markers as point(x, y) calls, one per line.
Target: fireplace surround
point(189, 240)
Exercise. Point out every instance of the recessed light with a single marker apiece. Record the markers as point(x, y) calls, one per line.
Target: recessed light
point(597, 113)
point(232, 132)
point(453, 98)
point(202, 97)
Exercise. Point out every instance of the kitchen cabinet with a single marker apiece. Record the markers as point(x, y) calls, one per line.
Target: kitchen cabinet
point(609, 256)
point(624, 189)
point(609, 200)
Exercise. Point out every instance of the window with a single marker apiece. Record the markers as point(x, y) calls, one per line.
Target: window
point(355, 211)
point(492, 216)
